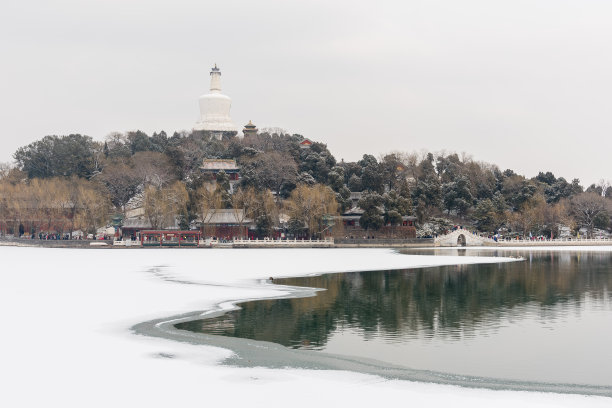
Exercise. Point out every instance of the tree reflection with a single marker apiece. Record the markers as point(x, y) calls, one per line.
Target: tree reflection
point(448, 302)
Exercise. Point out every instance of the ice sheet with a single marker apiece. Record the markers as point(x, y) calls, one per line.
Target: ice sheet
point(66, 342)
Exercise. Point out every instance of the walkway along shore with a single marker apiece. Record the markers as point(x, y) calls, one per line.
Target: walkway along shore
point(239, 243)
point(451, 240)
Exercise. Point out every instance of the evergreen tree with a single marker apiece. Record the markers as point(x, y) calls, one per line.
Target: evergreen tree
point(372, 218)
point(427, 193)
point(395, 206)
point(456, 195)
point(485, 216)
point(64, 156)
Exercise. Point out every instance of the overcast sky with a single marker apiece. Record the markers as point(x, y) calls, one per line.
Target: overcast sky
point(525, 84)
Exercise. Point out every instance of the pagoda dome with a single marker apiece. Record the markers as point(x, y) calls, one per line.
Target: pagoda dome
point(215, 107)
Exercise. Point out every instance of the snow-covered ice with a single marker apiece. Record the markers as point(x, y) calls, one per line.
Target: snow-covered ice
point(66, 339)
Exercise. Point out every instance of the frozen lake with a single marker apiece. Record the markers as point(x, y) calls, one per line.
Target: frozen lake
point(67, 340)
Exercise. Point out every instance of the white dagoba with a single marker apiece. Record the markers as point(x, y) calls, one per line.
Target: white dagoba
point(215, 109)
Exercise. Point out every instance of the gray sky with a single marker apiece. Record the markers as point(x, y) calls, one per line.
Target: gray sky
point(525, 84)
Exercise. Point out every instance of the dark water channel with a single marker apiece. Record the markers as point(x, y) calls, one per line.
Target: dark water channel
point(546, 319)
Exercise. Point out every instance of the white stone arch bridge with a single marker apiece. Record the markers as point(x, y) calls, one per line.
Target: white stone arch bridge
point(461, 238)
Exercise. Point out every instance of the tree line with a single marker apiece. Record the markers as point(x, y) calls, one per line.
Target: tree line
point(55, 181)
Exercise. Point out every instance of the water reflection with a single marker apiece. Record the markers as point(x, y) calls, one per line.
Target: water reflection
point(452, 301)
point(444, 311)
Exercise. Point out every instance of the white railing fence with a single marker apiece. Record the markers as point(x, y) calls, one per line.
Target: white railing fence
point(266, 242)
point(522, 240)
point(283, 241)
point(558, 240)
point(127, 243)
point(243, 242)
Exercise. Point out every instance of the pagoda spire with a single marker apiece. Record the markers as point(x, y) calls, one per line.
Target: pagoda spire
point(215, 79)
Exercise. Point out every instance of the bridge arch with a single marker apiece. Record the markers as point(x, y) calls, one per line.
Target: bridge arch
point(462, 238)
point(461, 241)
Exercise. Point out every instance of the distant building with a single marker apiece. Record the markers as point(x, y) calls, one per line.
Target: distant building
point(352, 229)
point(350, 218)
point(212, 167)
point(355, 197)
point(249, 129)
point(136, 221)
point(305, 144)
point(215, 120)
point(225, 223)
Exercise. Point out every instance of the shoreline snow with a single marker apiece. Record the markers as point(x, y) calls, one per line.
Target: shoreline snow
point(66, 316)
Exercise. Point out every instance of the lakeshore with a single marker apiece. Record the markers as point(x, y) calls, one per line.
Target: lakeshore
point(338, 243)
point(76, 308)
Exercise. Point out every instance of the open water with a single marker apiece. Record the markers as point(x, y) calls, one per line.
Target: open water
point(545, 319)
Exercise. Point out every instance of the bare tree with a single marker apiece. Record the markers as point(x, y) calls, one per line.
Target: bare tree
point(11, 201)
point(310, 204)
point(274, 130)
point(94, 207)
point(271, 170)
point(606, 187)
point(244, 204)
point(97, 158)
point(586, 207)
point(153, 168)
point(121, 181)
point(116, 146)
point(162, 205)
point(265, 212)
point(208, 202)
point(556, 215)
point(5, 169)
